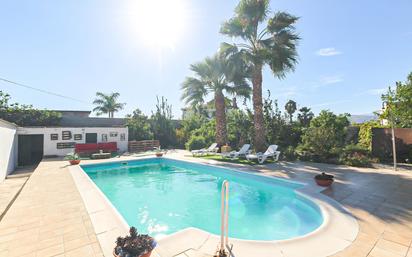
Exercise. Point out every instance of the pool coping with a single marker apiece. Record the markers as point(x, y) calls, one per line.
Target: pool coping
point(338, 230)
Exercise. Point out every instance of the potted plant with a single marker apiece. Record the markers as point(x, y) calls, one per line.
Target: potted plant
point(134, 245)
point(324, 179)
point(159, 153)
point(73, 158)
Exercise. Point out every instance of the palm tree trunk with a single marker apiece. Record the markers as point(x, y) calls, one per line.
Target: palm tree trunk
point(220, 118)
point(260, 136)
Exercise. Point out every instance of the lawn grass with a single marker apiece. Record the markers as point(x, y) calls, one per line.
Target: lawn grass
point(217, 157)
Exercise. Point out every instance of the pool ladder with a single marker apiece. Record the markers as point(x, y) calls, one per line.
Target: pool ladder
point(224, 224)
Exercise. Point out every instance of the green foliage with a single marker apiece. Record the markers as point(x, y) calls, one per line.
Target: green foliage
point(398, 102)
point(203, 136)
point(289, 154)
point(72, 156)
point(26, 115)
point(107, 104)
point(278, 130)
point(162, 125)
point(207, 130)
point(305, 116)
point(365, 133)
point(240, 127)
point(324, 138)
point(355, 155)
point(290, 108)
point(189, 124)
point(139, 126)
point(195, 143)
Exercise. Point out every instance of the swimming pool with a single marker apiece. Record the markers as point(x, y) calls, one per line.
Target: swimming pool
point(161, 196)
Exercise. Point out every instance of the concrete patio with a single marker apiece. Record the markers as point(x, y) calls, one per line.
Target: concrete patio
point(49, 217)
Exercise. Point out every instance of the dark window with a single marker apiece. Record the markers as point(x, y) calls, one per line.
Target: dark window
point(113, 134)
point(65, 145)
point(78, 136)
point(54, 136)
point(66, 135)
point(91, 138)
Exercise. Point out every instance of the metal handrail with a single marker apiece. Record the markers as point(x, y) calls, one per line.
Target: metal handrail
point(224, 226)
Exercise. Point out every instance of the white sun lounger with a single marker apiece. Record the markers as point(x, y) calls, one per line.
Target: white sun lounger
point(212, 149)
point(242, 152)
point(262, 157)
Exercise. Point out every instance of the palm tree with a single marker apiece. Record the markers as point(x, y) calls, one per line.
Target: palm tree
point(215, 75)
point(290, 108)
point(273, 45)
point(107, 103)
point(305, 115)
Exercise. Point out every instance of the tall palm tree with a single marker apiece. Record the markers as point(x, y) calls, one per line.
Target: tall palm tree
point(107, 104)
point(290, 108)
point(215, 75)
point(273, 45)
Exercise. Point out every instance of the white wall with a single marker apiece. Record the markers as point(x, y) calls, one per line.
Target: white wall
point(50, 146)
point(8, 148)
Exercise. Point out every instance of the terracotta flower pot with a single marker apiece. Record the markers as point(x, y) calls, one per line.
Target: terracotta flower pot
point(74, 162)
point(158, 155)
point(324, 180)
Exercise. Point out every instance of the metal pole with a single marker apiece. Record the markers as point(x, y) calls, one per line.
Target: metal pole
point(394, 148)
point(222, 216)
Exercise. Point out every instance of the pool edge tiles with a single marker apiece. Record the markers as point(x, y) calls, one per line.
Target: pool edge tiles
point(337, 232)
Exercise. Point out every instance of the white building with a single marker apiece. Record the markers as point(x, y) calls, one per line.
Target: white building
point(20, 146)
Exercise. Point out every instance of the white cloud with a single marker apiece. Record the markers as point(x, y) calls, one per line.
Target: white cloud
point(376, 91)
point(329, 51)
point(327, 80)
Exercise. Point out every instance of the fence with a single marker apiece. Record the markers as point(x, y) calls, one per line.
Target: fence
point(145, 145)
point(382, 143)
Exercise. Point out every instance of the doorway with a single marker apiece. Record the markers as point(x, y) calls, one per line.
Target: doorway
point(30, 149)
point(91, 138)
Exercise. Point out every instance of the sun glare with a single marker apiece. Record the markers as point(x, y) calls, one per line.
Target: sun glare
point(160, 23)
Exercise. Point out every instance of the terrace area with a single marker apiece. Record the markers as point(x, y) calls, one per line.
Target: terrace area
point(49, 217)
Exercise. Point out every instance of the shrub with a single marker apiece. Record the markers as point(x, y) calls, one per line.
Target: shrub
point(355, 155)
point(195, 142)
point(323, 140)
point(365, 133)
point(289, 154)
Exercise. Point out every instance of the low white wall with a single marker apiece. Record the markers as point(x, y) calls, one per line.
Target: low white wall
point(8, 148)
point(50, 146)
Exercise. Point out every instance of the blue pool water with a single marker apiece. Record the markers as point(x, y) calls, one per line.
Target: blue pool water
point(161, 196)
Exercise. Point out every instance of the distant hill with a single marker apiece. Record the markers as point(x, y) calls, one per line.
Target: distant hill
point(361, 118)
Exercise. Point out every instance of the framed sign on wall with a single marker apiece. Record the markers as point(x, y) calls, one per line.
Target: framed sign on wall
point(66, 135)
point(78, 136)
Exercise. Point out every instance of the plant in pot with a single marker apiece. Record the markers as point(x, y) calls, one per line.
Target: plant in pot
point(159, 153)
point(134, 245)
point(324, 179)
point(73, 158)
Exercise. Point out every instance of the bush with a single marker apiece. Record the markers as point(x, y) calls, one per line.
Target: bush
point(289, 154)
point(196, 142)
point(324, 139)
point(355, 155)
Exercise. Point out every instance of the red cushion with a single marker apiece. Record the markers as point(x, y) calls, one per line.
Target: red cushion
point(109, 146)
point(82, 147)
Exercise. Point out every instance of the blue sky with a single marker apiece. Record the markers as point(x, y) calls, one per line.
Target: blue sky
point(350, 51)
